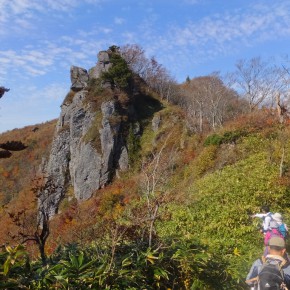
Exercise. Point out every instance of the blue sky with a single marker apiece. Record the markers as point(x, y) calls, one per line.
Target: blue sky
point(41, 39)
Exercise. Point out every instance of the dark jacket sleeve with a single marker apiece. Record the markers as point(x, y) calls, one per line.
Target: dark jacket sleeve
point(254, 270)
point(287, 275)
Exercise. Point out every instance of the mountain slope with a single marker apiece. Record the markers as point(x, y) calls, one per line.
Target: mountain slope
point(137, 193)
point(17, 172)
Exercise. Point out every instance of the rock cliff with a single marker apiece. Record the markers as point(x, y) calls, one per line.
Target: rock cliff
point(89, 144)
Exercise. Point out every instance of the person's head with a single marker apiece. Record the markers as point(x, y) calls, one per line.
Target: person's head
point(265, 209)
point(277, 246)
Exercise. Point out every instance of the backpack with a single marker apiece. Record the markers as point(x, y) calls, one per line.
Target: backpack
point(282, 230)
point(271, 276)
point(272, 233)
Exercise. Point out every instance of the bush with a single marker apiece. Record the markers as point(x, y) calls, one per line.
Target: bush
point(118, 74)
point(227, 137)
point(218, 208)
point(214, 139)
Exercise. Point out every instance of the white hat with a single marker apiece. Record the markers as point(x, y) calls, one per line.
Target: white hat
point(277, 217)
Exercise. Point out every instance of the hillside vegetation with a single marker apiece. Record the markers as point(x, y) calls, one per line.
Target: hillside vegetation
point(17, 172)
point(182, 221)
point(179, 218)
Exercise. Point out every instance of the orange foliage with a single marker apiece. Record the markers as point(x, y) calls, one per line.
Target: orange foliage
point(18, 216)
point(188, 156)
point(254, 121)
point(18, 170)
point(6, 174)
point(76, 222)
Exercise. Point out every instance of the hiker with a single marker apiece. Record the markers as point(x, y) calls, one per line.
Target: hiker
point(272, 271)
point(273, 231)
point(282, 227)
point(276, 228)
point(266, 216)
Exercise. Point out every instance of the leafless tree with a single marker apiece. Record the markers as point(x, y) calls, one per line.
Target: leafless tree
point(135, 58)
point(154, 184)
point(208, 102)
point(154, 74)
point(255, 80)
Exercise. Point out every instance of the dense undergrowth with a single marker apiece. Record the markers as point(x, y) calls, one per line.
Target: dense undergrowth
point(178, 219)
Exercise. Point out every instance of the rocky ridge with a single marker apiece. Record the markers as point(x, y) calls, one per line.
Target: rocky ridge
point(75, 160)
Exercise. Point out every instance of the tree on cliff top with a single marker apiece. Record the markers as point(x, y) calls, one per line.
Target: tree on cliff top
point(119, 74)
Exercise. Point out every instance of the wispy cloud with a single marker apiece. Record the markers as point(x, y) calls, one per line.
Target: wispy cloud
point(186, 45)
point(38, 102)
point(39, 60)
point(237, 27)
point(210, 36)
point(21, 13)
point(119, 20)
point(26, 62)
point(55, 91)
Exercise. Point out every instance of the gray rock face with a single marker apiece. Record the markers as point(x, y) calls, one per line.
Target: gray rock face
point(156, 122)
point(56, 172)
point(74, 160)
point(79, 78)
point(114, 151)
point(103, 64)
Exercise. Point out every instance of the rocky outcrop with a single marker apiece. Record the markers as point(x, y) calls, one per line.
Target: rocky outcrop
point(97, 120)
point(156, 122)
point(75, 160)
point(103, 64)
point(79, 78)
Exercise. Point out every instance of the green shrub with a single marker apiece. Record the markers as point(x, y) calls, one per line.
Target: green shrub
point(119, 73)
point(227, 137)
point(203, 162)
point(134, 148)
point(97, 94)
point(218, 208)
point(213, 139)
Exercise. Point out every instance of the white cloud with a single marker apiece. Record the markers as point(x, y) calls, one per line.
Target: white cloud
point(234, 28)
point(19, 14)
point(36, 61)
point(61, 5)
point(105, 30)
point(51, 92)
point(119, 20)
point(129, 37)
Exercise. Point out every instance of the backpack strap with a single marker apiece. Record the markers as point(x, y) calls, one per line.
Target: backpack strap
point(284, 263)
